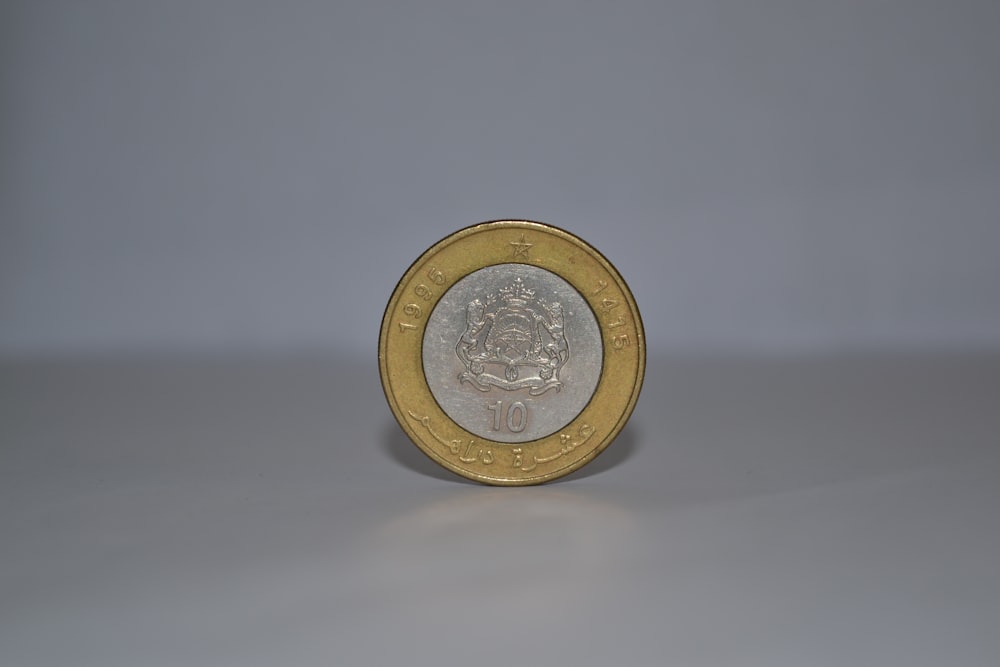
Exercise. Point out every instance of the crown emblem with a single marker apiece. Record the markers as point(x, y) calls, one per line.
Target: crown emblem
point(516, 294)
point(513, 340)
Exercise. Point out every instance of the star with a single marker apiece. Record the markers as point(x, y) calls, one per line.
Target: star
point(520, 247)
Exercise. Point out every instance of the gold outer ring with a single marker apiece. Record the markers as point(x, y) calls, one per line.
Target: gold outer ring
point(400, 352)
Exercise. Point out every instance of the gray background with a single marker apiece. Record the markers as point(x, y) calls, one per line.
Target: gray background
point(205, 205)
point(256, 176)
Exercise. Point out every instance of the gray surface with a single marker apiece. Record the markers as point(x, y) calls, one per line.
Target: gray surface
point(838, 511)
point(255, 175)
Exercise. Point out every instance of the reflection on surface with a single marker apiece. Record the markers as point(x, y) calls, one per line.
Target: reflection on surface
point(510, 546)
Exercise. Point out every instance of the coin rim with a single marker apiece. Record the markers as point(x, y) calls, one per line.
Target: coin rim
point(426, 444)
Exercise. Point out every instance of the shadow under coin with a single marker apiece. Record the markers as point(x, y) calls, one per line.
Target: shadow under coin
point(620, 450)
point(399, 448)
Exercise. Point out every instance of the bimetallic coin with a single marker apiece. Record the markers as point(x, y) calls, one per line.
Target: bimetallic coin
point(512, 352)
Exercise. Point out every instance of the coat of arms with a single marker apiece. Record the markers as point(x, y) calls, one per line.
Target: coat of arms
point(513, 341)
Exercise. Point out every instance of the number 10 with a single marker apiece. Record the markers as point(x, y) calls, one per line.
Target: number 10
point(517, 415)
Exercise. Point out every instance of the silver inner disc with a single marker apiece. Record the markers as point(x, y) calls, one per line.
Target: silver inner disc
point(512, 353)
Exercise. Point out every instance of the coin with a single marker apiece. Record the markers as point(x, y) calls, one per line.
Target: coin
point(512, 352)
